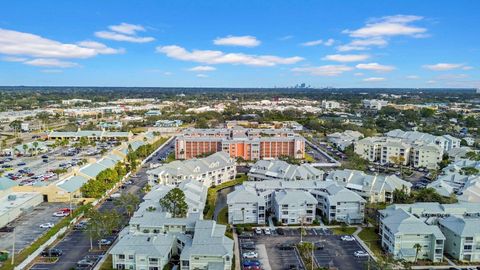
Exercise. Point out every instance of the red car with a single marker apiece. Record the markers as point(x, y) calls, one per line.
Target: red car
point(254, 267)
point(65, 210)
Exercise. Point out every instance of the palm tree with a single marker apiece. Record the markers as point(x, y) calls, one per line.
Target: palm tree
point(25, 147)
point(417, 248)
point(127, 201)
point(35, 146)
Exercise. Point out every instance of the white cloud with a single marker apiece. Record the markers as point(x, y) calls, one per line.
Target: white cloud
point(363, 44)
point(202, 75)
point(286, 37)
point(26, 44)
point(126, 28)
point(346, 57)
point(431, 81)
point(202, 68)
point(121, 37)
point(51, 71)
point(397, 25)
point(327, 70)
point(358, 74)
point(242, 41)
point(374, 79)
point(375, 67)
point(48, 62)
point(412, 77)
point(14, 59)
point(328, 42)
point(124, 32)
point(467, 67)
point(219, 57)
point(443, 66)
point(100, 48)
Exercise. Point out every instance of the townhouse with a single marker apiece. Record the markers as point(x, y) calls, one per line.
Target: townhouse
point(342, 140)
point(239, 142)
point(212, 170)
point(373, 188)
point(291, 202)
point(283, 171)
point(437, 228)
point(446, 142)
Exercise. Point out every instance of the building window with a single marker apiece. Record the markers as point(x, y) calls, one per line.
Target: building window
point(121, 256)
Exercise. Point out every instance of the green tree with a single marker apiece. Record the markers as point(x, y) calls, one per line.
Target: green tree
point(35, 147)
point(417, 248)
point(469, 171)
point(15, 125)
point(129, 202)
point(174, 203)
point(102, 224)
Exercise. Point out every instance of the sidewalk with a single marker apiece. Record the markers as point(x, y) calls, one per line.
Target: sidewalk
point(360, 241)
point(236, 250)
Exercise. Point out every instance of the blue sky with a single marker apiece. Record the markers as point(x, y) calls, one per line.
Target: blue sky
point(240, 43)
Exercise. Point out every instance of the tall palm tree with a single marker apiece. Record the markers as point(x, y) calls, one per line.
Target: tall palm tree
point(417, 248)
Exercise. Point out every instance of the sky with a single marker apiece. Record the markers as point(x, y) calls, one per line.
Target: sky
point(245, 43)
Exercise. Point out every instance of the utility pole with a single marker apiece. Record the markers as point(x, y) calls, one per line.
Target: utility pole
point(313, 248)
point(13, 247)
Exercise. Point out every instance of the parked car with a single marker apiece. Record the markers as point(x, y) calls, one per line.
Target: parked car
point(61, 214)
point(21, 164)
point(360, 253)
point(347, 238)
point(258, 230)
point(53, 252)
point(248, 246)
point(254, 267)
point(47, 225)
point(251, 263)
point(285, 247)
point(85, 263)
point(250, 255)
point(104, 242)
point(267, 231)
point(280, 231)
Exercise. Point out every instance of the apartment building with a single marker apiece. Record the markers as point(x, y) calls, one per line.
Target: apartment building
point(212, 170)
point(402, 231)
point(153, 236)
point(330, 105)
point(294, 207)
point(342, 140)
point(373, 188)
point(446, 142)
point(438, 228)
point(239, 142)
point(249, 202)
point(387, 150)
point(374, 104)
point(283, 171)
point(463, 237)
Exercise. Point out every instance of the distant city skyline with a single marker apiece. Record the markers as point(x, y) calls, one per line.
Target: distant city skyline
point(240, 44)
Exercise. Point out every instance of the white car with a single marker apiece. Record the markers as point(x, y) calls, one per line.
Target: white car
point(104, 242)
point(360, 253)
point(250, 255)
point(347, 238)
point(258, 230)
point(267, 231)
point(46, 225)
point(60, 214)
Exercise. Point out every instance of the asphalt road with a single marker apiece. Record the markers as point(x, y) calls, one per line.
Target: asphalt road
point(76, 244)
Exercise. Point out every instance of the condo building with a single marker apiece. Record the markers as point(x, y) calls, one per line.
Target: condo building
point(239, 142)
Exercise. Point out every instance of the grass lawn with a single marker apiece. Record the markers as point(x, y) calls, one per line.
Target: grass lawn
point(345, 230)
point(170, 157)
point(107, 264)
point(371, 238)
point(308, 158)
point(212, 194)
point(223, 216)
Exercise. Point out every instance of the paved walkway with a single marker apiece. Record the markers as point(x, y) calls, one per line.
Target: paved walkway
point(360, 241)
point(236, 250)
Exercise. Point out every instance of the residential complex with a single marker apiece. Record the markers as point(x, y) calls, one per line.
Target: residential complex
point(90, 134)
point(153, 236)
point(373, 188)
point(374, 104)
point(446, 142)
point(342, 140)
point(283, 171)
point(249, 144)
point(437, 228)
point(212, 170)
point(291, 202)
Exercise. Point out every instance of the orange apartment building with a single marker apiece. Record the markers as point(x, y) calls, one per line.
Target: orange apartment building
point(250, 144)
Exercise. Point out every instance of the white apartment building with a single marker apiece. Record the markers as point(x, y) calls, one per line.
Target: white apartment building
point(330, 105)
point(463, 237)
point(249, 202)
point(438, 228)
point(374, 104)
point(394, 150)
point(373, 188)
point(212, 170)
point(342, 140)
point(401, 231)
point(154, 236)
point(283, 171)
point(294, 207)
point(446, 142)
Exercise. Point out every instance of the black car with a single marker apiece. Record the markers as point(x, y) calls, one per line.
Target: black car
point(285, 247)
point(280, 231)
point(53, 252)
point(248, 246)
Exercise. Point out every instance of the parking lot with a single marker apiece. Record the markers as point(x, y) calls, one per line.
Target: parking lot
point(27, 226)
point(276, 251)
